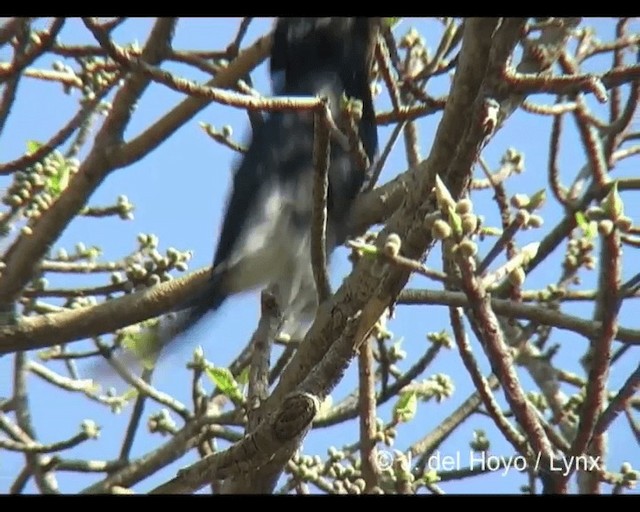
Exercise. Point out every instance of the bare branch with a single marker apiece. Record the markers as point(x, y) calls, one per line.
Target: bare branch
point(367, 406)
point(321, 154)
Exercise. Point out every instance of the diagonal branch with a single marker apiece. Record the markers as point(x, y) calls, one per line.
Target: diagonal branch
point(86, 109)
point(164, 127)
point(254, 451)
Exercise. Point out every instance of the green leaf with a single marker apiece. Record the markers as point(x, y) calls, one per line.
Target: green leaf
point(369, 250)
point(589, 227)
point(60, 181)
point(431, 477)
point(143, 344)
point(364, 249)
point(581, 220)
point(405, 408)
point(225, 382)
point(130, 394)
point(491, 231)
point(33, 146)
point(455, 220)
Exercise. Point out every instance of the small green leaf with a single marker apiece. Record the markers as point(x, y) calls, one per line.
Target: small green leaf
point(431, 477)
point(490, 231)
point(59, 182)
point(93, 253)
point(225, 382)
point(589, 227)
point(364, 249)
point(581, 220)
point(33, 146)
point(391, 21)
point(63, 177)
point(455, 221)
point(143, 344)
point(130, 394)
point(369, 250)
point(405, 408)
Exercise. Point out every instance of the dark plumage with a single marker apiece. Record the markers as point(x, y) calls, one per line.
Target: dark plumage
point(265, 237)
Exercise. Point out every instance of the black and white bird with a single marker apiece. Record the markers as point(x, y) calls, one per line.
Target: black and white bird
point(266, 233)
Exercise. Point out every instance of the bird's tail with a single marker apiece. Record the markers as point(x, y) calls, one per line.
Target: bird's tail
point(176, 326)
point(189, 314)
point(144, 349)
point(207, 301)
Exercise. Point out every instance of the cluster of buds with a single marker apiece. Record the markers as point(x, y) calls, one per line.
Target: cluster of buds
point(95, 74)
point(454, 221)
point(525, 206)
point(35, 188)
point(148, 267)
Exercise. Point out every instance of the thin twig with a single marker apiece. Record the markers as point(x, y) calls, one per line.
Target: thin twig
point(45, 480)
point(378, 163)
point(618, 403)
point(282, 361)
point(349, 408)
point(367, 407)
point(186, 439)
point(506, 237)
point(86, 386)
point(189, 87)
point(12, 80)
point(143, 387)
point(410, 113)
point(321, 155)
point(36, 49)
point(233, 48)
point(430, 442)
point(60, 137)
point(136, 415)
point(57, 446)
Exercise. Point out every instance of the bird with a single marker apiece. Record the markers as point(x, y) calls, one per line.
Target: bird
point(265, 238)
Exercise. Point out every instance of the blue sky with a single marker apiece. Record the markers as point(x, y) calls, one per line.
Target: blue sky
point(179, 192)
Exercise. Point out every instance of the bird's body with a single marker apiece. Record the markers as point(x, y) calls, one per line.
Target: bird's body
point(266, 232)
